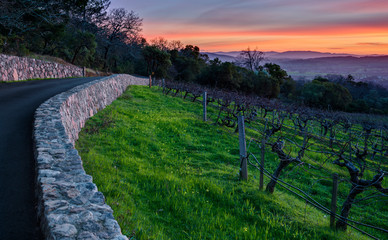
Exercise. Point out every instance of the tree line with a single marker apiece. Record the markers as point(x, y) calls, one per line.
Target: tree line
point(248, 75)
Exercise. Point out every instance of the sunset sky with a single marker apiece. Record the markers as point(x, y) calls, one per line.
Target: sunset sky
point(337, 26)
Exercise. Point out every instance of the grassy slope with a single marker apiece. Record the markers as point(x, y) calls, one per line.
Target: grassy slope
point(168, 175)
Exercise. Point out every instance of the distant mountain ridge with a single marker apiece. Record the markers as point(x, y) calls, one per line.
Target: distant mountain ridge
point(306, 55)
point(305, 65)
point(222, 57)
point(284, 55)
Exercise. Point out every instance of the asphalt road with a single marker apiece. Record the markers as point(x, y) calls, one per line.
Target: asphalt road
point(18, 102)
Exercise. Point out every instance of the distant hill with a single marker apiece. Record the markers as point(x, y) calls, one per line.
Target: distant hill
point(368, 69)
point(279, 55)
point(222, 57)
point(231, 54)
point(304, 55)
point(305, 65)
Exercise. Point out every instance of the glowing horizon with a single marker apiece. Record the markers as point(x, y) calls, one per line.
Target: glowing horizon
point(351, 26)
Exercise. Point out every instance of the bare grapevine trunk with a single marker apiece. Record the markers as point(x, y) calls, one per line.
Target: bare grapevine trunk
point(271, 185)
point(354, 191)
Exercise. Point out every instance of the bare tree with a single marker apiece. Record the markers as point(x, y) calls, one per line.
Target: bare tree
point(165, 45)
point(161, 43)
point(121, 26)
point(251, 59)
point(94, 11)
point(175, 45)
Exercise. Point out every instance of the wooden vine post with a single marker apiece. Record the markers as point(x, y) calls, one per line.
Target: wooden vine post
point(261, 183)
point(334, 200)
point(204, 106)
point(263, 141)
point(243, 149)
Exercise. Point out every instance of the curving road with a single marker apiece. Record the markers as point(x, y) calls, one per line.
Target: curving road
point(18, 101)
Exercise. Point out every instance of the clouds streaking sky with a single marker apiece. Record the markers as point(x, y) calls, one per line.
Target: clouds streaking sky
point(351, 26)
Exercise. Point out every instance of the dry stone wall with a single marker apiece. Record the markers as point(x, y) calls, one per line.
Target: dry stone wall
point(14, 68)
point(69, 204)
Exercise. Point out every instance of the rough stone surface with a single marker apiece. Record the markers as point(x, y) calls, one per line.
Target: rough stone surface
point(70, 206)
point(13, 68)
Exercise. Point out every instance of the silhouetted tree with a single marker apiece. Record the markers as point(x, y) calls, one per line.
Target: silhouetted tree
point(121, 26)
point(188, 63)
point(158, 61)
point(251, 59)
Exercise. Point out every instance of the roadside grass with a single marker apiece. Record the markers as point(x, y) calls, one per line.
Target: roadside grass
point(169, 175)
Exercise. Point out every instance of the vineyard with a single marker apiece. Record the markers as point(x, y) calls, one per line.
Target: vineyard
point(325, 145)
point(167, 174)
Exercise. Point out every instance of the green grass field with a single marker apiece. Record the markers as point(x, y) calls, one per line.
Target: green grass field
point(169, 175)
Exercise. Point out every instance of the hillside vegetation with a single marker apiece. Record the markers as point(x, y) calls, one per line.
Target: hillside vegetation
point(169, 175)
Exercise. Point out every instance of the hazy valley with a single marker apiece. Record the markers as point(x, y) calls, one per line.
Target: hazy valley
point(305, 65)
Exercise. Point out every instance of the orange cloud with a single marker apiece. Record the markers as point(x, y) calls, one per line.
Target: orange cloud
point(328, 31)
